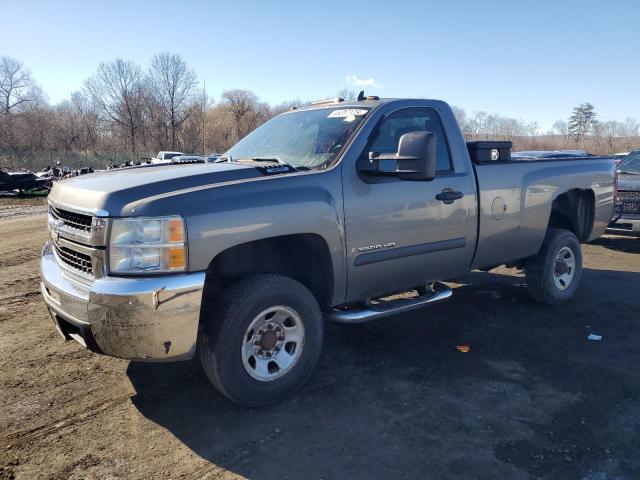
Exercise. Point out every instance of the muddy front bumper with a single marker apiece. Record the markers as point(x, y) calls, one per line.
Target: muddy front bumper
point(137, 318)
point(625, 224)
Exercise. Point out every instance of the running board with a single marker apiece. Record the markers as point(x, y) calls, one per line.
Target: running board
point(393, 307)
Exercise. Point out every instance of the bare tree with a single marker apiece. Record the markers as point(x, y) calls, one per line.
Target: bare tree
point(16, 86)
point(629, 130)
point(17, 91)
point(561, 127)
point(219, 125)
point(246, 111)
point(533, 129)
point(284, 106)
point(511, 129)
point(598, 135)
point(477, 124)
point(69, 126)
point(347, 94)
point(117, 89)
point(611, 130)
point(463, 121)
point(87, 110)
point(172, 86)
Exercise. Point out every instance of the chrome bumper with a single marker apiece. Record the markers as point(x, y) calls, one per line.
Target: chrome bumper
point(625, 224)
point(141, 318)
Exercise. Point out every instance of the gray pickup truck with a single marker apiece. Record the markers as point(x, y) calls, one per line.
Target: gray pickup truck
point(324, 212)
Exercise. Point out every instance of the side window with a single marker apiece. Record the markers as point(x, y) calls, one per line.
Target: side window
point(410, 120)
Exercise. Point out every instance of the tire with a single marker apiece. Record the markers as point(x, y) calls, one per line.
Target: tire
point(554, 273)
point(226, 351)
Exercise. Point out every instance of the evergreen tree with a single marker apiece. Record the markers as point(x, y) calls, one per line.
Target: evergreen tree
point(581, 122)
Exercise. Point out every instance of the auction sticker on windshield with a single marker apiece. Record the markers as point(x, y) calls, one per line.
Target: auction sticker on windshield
point(349, 114)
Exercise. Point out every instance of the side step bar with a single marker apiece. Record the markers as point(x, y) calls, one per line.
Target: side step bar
point(393, 307)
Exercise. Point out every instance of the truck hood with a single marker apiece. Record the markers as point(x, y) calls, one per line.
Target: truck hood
point(629, 182)
point(117, 192)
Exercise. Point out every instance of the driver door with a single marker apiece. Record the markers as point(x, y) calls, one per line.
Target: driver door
point(399, 235)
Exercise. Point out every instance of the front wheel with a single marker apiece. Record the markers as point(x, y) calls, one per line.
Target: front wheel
point(554, 273)
point(263, 341)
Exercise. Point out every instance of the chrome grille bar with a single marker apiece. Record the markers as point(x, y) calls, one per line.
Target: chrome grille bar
point(72, 219)
point(82, 228)
point(76, 260)
point(629, 202)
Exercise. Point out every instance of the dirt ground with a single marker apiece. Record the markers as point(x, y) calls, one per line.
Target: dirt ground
point(391, 399)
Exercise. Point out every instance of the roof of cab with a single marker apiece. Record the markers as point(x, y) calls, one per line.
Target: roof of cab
point(338, 103)
point(333, 103)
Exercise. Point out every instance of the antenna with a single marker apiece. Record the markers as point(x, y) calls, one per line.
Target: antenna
point(361, 96)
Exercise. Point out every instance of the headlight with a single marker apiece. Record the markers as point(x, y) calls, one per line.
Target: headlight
point(147, 245)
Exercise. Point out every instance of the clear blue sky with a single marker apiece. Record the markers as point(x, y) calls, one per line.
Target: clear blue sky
point(533, 60)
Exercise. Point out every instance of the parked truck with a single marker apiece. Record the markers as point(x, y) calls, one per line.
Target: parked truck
point(320, 214)
point(165, 157)
point(626, 219)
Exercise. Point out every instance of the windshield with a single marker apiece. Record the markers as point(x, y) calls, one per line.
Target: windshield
point(168, 156)
point(304, 139)
point(630, 164)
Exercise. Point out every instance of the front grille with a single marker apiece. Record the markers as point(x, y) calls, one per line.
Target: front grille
point(72, 219)
point(76, 260)
point(629, 202)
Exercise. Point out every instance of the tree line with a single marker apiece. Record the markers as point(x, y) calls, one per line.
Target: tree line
point(124, 112)
point(581, 131)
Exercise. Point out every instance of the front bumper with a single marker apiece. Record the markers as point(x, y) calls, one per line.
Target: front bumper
point(625, 223)
point(136, 318)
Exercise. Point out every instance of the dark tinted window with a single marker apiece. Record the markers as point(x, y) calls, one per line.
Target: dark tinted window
point(410, 120)
point(631, 164)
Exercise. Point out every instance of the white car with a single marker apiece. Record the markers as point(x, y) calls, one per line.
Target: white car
point(165, 157)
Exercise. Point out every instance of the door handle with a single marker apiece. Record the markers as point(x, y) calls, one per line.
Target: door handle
point(449, 196)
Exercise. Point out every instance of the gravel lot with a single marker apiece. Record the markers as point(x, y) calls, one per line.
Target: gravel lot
point(391, 399)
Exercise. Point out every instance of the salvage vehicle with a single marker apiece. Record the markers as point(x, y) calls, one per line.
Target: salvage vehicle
point(165, 157)
point(188, 159)
point(626, 218)
point(321, 213)
point(23, 182)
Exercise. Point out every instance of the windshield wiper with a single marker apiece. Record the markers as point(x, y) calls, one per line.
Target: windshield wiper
point(274, 158)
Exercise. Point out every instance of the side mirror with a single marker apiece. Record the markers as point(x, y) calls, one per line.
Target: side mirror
point(415, 159)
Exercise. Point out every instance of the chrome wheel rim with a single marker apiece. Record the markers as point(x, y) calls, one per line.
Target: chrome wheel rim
point(272, 343)
point(564, 267)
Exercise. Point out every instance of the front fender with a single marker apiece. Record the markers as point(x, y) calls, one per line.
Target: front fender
point(222, 216)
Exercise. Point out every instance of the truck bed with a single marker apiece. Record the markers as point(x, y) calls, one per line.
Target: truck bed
point(518, 195)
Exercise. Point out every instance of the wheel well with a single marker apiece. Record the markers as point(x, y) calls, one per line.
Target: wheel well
point(303, 257)
point(574, 211)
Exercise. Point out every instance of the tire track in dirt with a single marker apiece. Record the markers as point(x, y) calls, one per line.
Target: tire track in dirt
point(75, 419)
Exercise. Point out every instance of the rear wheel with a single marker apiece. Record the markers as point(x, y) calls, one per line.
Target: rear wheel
point(263, 340)
point(554, 273)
